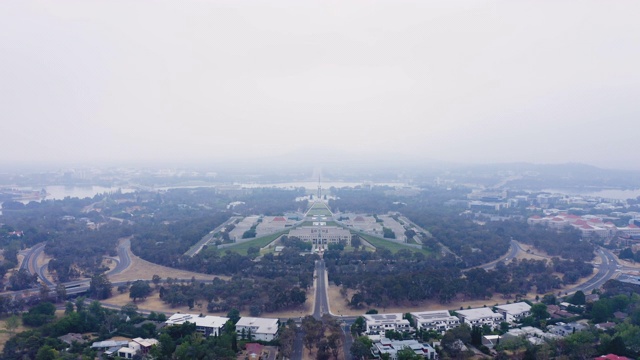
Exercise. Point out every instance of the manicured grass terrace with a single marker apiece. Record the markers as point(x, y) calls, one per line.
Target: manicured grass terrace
point(310, 223)
point(319, 209)
point(260, 242)
point(392, 246)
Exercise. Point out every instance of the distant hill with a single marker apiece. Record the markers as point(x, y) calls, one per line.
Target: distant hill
point(544, 176)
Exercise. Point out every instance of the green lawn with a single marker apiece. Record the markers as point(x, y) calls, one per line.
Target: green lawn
point(319, 209)
point(394, 247)
point(257, 242)
point(310, 223)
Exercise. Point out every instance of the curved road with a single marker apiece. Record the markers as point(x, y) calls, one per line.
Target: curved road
point(124, 259)
point(514, 249)
point(31, 254)
point(30, 263)
point(606, 270)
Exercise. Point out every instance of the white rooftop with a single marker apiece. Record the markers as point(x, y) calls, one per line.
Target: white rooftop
point(432, 315)
point(264, 325)
point(515, 308)
point(204, 321)
point(145, 342)
point(384, 318)
point(109, 343)
point(479, 313)
point(393, 346)
point(126, 350)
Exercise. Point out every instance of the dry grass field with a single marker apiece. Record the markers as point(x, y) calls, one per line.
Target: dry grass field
point(5, 335)
point(339, 304)
point(153, 303)
point(142, 269)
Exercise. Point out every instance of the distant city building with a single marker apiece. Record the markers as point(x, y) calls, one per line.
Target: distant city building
point(487, 206)
point(588, 225)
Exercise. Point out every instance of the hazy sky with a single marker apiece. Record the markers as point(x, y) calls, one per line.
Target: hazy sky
point(466, 81)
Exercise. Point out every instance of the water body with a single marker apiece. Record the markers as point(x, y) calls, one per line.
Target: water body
point(325, 185)
point(309, 185)
point(59, 192)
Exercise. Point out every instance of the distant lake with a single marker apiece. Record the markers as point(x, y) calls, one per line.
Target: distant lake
point(618, 194)
point(59, 192)
point(325, 185)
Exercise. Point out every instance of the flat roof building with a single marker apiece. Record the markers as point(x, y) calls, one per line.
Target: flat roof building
point(480, 317)
point(260, 328)
point(126, 353)
point(438, 320)
point(378, 324)
point(563, 329)
point(391, 347)
point(515, 311)
point(142, 345)
point(207, 325)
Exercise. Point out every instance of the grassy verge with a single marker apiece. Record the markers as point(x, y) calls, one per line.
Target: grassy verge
point(351, 248)
point(258, 242)
point(394, 247)
point(318, 212)
point(328, 223)
point(319, 209)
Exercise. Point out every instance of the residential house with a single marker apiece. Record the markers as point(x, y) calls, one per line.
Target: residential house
point(490, 341)
point(126, 353)
point(391, 347)
point(142, 345)
point(612, 357)
point(534, 335)
point(563, 329)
